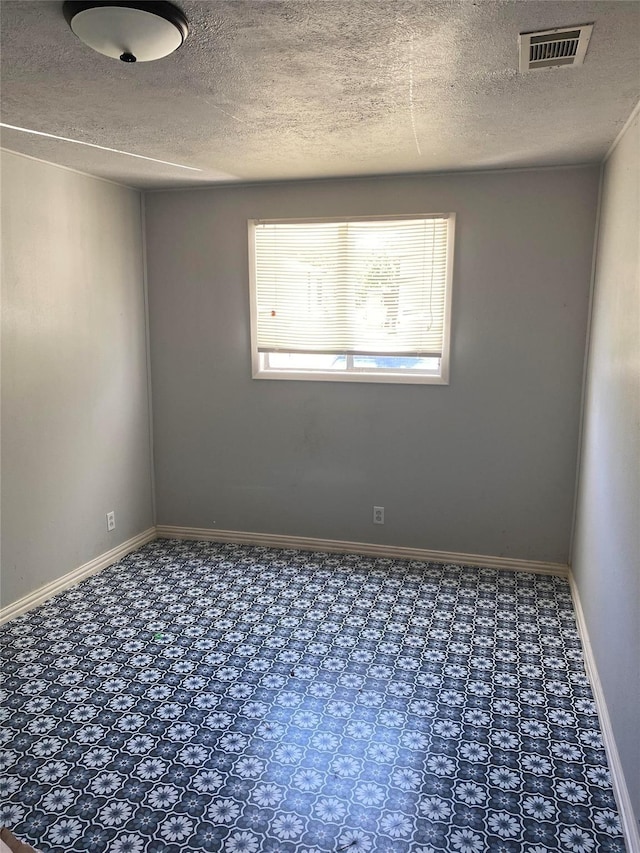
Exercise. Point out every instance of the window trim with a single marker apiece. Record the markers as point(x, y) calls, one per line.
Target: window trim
point(384, 375)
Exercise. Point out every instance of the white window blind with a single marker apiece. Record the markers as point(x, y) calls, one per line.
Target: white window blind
point(374, 287)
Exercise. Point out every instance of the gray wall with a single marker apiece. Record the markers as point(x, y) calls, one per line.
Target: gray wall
point(485, 465)
point(75, 424)
point(606, 558)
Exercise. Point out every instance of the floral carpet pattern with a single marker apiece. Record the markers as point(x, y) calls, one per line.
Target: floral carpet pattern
point(207, 697)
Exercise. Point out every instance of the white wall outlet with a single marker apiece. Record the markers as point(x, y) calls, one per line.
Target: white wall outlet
point(378, 515)
point(111, 521)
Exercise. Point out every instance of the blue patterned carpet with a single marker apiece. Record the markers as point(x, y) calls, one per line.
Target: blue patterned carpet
point(201, 697)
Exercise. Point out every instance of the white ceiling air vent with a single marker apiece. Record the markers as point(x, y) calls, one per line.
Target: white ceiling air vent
point(549, 48)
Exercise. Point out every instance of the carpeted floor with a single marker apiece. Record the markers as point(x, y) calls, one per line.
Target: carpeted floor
point(202, 697)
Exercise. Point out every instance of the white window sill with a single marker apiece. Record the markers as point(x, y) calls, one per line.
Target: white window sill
point(353, 376)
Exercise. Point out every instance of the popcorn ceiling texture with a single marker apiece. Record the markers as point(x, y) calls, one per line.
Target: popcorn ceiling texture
point(317, 88)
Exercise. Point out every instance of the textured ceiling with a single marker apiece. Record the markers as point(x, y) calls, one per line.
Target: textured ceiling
point(285, 89)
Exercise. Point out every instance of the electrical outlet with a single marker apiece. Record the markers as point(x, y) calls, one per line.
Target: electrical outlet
point(111, 521)
point(378, 515)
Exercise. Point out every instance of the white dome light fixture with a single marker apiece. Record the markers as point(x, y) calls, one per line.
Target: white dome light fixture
point(129, 31)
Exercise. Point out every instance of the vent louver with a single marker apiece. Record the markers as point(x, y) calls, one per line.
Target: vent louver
point(551, 48)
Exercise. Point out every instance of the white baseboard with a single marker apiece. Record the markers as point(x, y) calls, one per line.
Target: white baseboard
point(301, 543)
point(620, 790)
point(38, 596)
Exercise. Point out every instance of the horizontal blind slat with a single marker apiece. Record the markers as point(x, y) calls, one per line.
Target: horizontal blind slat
point(375, 287)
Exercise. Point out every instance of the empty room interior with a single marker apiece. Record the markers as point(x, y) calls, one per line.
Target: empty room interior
point(320, 426)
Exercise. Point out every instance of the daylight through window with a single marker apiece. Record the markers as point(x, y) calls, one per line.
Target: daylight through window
point(356, 300)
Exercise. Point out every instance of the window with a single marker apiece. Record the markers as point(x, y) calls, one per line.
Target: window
point(364, 300)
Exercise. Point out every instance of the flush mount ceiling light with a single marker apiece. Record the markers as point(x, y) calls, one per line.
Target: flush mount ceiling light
point(130, 31)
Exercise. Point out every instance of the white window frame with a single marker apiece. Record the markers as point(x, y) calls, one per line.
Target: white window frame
point(409, 376)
